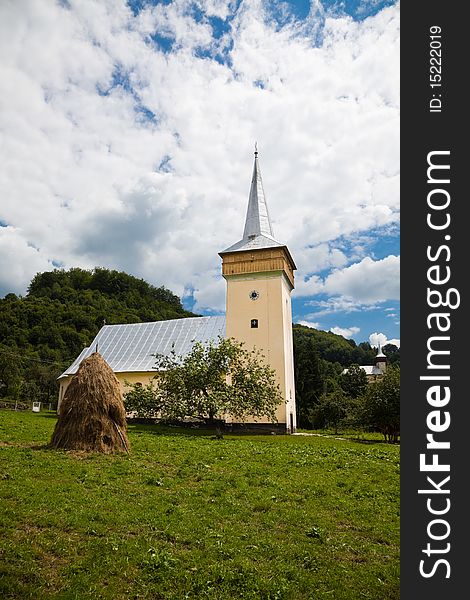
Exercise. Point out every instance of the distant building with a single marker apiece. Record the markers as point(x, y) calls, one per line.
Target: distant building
point(260, 278)
point(376, 370)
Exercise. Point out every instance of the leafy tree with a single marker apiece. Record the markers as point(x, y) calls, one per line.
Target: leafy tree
point(331, 409)
point(366, 354)
point(30, 391)
point(381, 405)
point(141, 400)
point(308, 378)
point(44, 376)
point(392, 353)
point(354, 381)
point(10, 374)
point(212, 380)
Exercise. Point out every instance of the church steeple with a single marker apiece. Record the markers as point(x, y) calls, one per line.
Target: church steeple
point(381, 359)
point(258, 231)
point(257, 215)
point(257, 251)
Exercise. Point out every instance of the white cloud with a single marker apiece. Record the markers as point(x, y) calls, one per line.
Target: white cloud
point(80, 154)
point(337, 304)
point(362, 286)
point(17, 260)
point(314, 324)
point(347, 332)
point(308, 287)
point(368, 281)
point(376, 339)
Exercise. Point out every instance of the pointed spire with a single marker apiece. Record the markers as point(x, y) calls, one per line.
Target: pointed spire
point(379, 354)
point(258, 233)
point(257, 216)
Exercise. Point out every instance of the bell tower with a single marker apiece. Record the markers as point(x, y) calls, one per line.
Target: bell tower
point(260, 278)
point(381, 360)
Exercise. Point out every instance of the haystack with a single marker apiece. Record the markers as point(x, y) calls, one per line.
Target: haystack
point(92, 416)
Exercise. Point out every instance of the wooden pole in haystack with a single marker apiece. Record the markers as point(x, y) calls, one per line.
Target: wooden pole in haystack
point(92, 415)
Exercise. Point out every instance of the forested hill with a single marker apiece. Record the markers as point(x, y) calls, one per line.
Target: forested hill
point(322, 355)
point(319, 359)
point(41, 333)
point(334, 348)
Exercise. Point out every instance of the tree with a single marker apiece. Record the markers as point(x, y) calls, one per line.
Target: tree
point(331, 409)
point(354, 381)
point(308, 378)
point(392, 353)
point(381, 405)
point(212, 380)
point(332, 406)
point(10, 374)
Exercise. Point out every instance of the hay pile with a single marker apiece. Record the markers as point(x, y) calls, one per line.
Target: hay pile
point(92, 416)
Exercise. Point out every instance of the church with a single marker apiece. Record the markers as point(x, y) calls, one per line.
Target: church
point(375, 371)
point(259, 272)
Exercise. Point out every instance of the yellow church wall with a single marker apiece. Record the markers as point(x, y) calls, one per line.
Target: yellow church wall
point(288, 356)
point(134, 377)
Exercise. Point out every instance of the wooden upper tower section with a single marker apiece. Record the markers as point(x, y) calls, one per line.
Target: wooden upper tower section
point(258, 251)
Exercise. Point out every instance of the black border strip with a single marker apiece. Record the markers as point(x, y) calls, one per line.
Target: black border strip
point(423, 131)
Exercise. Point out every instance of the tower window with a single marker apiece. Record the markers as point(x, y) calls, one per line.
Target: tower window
point(254, 323)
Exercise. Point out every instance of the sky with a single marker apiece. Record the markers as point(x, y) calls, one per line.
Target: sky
point(127, 132)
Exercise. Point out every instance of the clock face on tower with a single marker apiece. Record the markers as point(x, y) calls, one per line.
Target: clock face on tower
point(254, 295)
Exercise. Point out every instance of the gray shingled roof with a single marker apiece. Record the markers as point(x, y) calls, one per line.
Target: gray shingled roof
point(130, 347)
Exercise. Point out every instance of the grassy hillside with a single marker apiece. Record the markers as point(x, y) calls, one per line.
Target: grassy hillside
point(188, 516)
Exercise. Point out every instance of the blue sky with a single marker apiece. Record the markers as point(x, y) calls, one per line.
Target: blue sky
point(128, 131)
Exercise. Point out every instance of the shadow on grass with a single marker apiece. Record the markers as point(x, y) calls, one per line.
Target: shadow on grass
point(191, 431)
point(40, 447)
point(359, 437)
point(176, 430)
point(369, 442)
point(48, 415)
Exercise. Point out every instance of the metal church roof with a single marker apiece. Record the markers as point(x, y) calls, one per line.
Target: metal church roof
point(131, 347)
point(258, 232)
point(369, 370)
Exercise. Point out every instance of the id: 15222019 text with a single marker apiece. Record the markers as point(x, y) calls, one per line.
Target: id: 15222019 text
point(435, 68)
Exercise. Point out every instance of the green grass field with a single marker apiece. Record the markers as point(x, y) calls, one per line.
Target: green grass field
point(189, 516)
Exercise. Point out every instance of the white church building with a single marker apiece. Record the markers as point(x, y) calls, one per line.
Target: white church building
point(376, 370)
point(259, 272)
